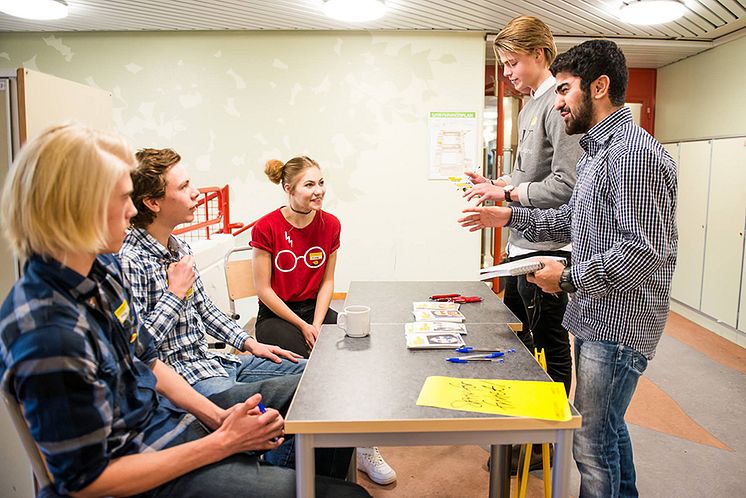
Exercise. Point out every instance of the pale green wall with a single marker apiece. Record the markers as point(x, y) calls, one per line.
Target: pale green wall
point(356, 102)
point(703, 96)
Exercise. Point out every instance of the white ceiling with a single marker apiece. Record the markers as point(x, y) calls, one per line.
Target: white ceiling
point(707, 24)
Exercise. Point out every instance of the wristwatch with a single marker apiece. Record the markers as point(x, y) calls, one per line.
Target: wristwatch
point(508, 189)
point(565, 282)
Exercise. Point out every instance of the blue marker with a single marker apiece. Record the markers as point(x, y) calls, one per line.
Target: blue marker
point(264, 410)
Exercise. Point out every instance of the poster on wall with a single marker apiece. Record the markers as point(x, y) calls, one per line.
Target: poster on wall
point(454, 144)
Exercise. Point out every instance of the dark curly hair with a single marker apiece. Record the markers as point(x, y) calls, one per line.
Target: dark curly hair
point(592, 59)
point(149, 181)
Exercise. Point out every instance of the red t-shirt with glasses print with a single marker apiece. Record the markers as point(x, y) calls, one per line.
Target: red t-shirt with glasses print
point(299, 255)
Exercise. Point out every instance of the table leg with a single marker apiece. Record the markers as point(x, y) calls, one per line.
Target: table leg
point(352, 471)
point(562, 462)
point(305, 466)
point(499, 471)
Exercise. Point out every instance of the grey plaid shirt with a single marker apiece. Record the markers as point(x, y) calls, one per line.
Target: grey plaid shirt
point(178, 326)
point(621, 221)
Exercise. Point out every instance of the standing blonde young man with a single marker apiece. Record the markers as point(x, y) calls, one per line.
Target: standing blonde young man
point(543, 176)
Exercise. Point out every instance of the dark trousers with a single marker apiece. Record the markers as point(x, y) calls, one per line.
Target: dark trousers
point(271, 329)
point(541, 315)
point(244, 474)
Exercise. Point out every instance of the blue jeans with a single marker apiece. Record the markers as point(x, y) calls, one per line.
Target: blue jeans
point(607, 375)
point(254, 369)
point(251, 369)
point(243, 474)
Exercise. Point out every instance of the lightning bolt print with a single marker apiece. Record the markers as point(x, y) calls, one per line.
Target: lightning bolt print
point(287, 237)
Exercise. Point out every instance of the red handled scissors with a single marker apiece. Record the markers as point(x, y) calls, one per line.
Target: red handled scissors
point(455, 298)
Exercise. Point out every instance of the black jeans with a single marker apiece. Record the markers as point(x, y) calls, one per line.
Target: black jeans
point(271, 329)
point(541, 315)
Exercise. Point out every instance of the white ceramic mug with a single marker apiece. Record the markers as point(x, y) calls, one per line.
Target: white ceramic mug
point(355, 321)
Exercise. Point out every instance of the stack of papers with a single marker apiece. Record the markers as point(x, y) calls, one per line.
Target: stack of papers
point(438, 316)
point(434, 340)
point(520, 267)
point(420, 327)
point(434, 305)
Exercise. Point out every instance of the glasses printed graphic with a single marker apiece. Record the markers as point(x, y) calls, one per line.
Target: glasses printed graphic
point(286, 260)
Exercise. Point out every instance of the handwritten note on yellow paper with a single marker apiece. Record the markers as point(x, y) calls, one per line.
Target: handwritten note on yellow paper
point(518, 398)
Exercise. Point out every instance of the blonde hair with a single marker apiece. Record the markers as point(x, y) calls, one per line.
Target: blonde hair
point(285, 173)
point(523, 35)
point(56, 196)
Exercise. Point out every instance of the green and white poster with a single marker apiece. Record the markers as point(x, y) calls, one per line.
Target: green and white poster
point(454, 143)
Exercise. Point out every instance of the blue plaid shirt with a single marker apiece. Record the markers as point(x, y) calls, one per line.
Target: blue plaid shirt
point(177, 325)
point(71, 354)
point(621, 221)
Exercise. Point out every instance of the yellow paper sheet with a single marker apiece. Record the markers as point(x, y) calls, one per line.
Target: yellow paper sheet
point(518, 398)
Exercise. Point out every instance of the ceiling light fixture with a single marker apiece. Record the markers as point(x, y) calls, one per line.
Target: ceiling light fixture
point(354, 10)
point(648, 12)
point(41, 10)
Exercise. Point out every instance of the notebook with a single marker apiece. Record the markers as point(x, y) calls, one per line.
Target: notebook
point(520, 267)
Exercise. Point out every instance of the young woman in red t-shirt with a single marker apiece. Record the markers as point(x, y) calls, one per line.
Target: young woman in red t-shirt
point(295, 252)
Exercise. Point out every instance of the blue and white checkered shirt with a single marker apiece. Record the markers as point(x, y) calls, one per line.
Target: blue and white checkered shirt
point(621, 220)
point(76, 358)
point(178, 326)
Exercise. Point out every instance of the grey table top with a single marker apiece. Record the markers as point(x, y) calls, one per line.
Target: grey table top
point(391, 302)
point(371, 384)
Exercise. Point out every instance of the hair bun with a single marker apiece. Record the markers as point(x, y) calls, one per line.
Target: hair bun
point(274, 169)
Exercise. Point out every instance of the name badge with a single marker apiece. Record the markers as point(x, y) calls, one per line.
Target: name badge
point(122, 312)
point(316, 257)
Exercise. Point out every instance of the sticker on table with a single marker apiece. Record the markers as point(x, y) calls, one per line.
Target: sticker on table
point(518, 398)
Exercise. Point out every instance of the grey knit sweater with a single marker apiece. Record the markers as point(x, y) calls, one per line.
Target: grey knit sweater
point(544, 168)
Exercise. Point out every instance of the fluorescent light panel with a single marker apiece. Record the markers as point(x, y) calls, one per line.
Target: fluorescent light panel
point(354, 10)
point(649, 12)
point(41, 10)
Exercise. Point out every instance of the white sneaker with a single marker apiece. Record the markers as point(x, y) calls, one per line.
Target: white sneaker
point(370, 461)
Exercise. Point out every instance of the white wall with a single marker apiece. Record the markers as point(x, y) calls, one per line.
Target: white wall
point(356, 102)
point(703, 96)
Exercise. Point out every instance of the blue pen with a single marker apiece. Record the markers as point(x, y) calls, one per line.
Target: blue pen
point(469, 349)
point(264, 410)
point(496, 354)
point(461, 360)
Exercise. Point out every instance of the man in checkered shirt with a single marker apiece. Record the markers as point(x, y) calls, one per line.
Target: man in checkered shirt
point(169, 295)
point(621, 221)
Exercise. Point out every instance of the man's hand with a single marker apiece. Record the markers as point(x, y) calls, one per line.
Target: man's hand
point(269, 351)
point(181, 276)
point(548, 277)
point(485, 192)
point(310, 333)
point(247, 429)
point(484, 217)
point(476, 178)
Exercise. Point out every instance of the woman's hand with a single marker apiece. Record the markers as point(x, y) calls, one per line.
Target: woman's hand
point(310, 334)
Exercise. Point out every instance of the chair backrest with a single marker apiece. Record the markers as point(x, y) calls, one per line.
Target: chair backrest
point(32, 450)
point(239, 276)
